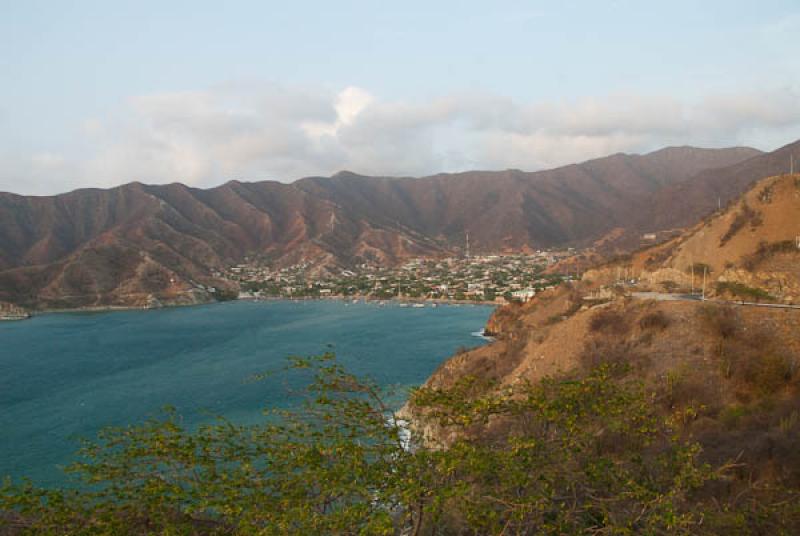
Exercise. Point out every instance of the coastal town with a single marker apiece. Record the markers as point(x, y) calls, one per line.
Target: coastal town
point(490, 278)
point(12, 312)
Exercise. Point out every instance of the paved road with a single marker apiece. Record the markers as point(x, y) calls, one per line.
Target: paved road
point(665, 296)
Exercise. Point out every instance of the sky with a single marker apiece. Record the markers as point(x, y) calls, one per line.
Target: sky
point(101, 93)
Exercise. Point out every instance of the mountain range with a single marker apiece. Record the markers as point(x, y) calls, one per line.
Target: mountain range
point(140, 244)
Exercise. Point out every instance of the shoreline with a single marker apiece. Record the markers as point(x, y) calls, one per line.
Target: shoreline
point(113, 308)
point(359, 299)
point(366, 299)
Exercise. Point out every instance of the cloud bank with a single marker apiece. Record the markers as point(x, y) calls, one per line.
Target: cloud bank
point(258, 132)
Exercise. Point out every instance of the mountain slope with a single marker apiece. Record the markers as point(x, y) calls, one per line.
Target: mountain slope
point(726, 373)
point(127, 245)
point(749, 246)
point(513, 210)
point(679, 204)
point(140, 244)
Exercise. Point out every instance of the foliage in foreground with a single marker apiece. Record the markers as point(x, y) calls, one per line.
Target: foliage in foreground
point(583, 456)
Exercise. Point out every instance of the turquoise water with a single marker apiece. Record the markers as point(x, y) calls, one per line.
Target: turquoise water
point(64, 376)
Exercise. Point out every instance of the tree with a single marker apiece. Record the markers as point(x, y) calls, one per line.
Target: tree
point(581, 455)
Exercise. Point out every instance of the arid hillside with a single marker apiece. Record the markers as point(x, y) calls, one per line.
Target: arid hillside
point(678, 204)
point(141, 245)
point(144, 245)
point(751, 244)
point(515, 210)
point(727, 376)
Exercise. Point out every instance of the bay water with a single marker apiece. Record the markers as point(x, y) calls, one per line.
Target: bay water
point(67, 375)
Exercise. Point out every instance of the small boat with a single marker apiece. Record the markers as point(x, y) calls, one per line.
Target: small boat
point(418, 305)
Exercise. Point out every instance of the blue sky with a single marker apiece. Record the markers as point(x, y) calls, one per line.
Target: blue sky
point(102, 93)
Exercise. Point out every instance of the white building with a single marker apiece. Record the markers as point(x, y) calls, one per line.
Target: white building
point(523, 294)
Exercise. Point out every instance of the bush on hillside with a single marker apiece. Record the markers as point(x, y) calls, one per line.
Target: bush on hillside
point(722, 321)
point(765, 195)
point(609, 321)
point(743, 291)
point(654, 320)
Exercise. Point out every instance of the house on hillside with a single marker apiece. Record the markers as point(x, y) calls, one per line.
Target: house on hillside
point(523, 295)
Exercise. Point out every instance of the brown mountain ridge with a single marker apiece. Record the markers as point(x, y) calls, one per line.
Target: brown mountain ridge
point(147, 244)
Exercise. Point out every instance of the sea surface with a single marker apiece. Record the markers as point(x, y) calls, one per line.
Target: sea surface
point(67, 375)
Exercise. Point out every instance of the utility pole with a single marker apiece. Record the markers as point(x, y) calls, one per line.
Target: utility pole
point(692, 267)
point(467, 248)
point(704, 283)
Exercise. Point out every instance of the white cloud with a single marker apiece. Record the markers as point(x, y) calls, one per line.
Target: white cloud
point(267, 131)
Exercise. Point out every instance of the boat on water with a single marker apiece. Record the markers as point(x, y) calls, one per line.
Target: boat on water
point(418, 305)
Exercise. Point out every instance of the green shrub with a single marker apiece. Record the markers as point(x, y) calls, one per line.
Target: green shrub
point(742, 291)
point(588, 454)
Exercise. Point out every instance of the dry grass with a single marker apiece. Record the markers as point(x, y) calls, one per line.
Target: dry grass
point(610, 322)
point(655, 320)
point(722, 321)
point(609, 351)
point(766, 250)
point(745, 216)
